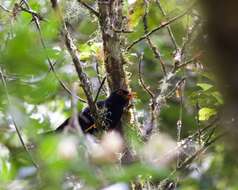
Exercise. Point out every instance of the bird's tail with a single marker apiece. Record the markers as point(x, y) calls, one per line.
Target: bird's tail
point(62, 126)
point(58, 129)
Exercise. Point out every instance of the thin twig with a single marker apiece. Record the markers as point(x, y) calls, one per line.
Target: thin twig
point(179, 66)
point(14, 122)
point(154, 49)
point(189, 35)
point(168, 27)
point(178, 84)
point(209, 135)
point(85, 83)
point(199, 151)
point(148, 129)
point(5, 9)
point(146, 88)
point(159, 100)
point(37, 23)
point(92, 10)
point(99, 77)
point(180, 120)
point(164, 24)
point(33, 13)
point(198, 122)
point(191, 158)
point(99, 89)
point(204, 129)
point(215, 139)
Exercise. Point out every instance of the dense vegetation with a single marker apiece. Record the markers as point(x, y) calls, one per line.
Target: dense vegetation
point(57, 57)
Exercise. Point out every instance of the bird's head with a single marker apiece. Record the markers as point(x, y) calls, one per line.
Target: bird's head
point(121, 97)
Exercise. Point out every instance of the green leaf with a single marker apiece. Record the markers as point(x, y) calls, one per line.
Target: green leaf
point(205, 86)
point(205, 113)
point(35, 90)
point(51, 28)
point(135, 13)
point(144, 171)
point(5, 173)
point(218, 97)
point(23, 55)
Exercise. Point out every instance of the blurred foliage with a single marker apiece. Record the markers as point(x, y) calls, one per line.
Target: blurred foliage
point(32, 97)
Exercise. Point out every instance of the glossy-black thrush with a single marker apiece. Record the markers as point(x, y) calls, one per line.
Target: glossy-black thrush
point(110, 112)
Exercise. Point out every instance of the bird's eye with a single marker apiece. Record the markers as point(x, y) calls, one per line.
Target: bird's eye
point(119, 92)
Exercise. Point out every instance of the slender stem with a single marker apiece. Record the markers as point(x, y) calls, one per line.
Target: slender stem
point(99, 77)
point(85, 83)
point(164, 24)
point(91, 10)
point(5, 9)
point(148, 129)
point(84, 80)
point(177, 67)
point(168, 27)
point(198, 122)
point(154, 49)
point(14, 122)
point(99, 89)
point(37, 23)
point(179, 83)
point(146, 88)
point(180, 121)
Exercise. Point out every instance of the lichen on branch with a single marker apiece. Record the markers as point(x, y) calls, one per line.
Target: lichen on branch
point(110, 19)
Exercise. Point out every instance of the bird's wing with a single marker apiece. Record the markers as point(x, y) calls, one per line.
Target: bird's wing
point(85, 118)
point(101, 104)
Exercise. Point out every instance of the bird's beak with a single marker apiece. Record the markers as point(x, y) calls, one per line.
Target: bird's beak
point(131, 95)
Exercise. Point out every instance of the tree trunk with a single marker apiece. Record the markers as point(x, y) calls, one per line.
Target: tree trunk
point(110, 19)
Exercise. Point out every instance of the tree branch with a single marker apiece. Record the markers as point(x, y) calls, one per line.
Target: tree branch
point(85, 83)
point(91, 10)
point(164, 24)
point(36, 20)
point(5, 9)
point(111, 18)
point(15, 124)
point(168, 27)
point(154, 49)
point(99, 89)
point(146, 88)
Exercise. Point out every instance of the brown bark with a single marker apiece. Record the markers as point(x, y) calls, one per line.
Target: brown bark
point(84, 80)
point(110, 19)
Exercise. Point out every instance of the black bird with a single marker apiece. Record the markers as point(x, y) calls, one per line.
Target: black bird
point(110, 111)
